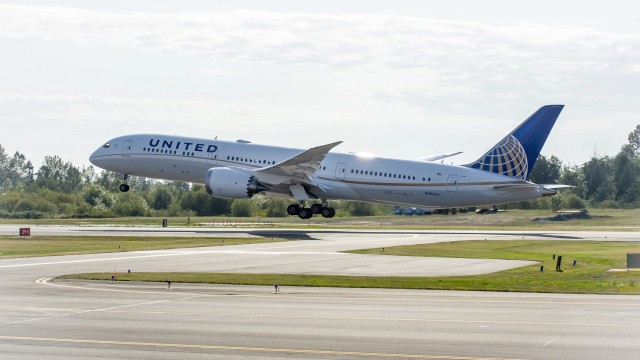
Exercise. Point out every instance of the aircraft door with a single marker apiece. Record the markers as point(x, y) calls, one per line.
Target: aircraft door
point(126, 147)
point(341, 170)
point(212, 159)
point(452, 183)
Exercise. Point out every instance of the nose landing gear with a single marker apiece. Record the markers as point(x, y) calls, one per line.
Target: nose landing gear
point(124, 187)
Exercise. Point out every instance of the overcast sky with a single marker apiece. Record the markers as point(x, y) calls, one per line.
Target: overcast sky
point(404, 79)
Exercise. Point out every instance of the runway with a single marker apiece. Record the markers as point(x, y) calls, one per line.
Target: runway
point(41, 318)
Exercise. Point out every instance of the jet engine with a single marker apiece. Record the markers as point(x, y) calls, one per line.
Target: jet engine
point(230, 183)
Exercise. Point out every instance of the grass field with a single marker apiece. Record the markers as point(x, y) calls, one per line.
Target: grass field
point(14, 246)
point(604, 219)
point(589, 275)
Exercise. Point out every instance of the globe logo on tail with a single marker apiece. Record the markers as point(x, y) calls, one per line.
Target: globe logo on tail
point(507, 158)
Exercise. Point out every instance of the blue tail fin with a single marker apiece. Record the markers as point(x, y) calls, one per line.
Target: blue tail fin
point(516, 154)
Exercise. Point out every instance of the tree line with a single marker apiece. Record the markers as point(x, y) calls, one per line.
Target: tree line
point(60, 189)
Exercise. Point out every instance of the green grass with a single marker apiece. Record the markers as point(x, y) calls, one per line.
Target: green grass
point(606, 219)
point(588, 276)
point(14, 246)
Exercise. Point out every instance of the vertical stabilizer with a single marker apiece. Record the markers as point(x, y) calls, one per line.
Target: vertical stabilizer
point(516, 154)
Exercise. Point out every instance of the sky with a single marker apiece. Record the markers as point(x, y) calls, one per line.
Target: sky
point(402, 79)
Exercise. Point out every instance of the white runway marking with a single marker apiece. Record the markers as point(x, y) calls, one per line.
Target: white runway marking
point(551, 341)
point(83, 312)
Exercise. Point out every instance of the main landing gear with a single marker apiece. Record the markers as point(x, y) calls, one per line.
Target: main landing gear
point(306, 213)
point(124, 187)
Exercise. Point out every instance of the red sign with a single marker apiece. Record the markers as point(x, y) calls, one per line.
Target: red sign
point(25, 231)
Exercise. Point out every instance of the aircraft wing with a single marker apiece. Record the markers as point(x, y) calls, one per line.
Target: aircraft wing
point(299, 168)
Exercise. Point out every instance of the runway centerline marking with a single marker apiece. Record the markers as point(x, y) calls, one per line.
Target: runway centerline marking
point(245, 348)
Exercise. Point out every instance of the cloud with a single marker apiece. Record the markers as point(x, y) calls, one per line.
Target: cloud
point(328, 39)
point(417, 79)
point(219, 72)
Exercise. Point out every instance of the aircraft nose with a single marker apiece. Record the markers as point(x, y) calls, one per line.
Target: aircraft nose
point(98, 156)
point(94, 157)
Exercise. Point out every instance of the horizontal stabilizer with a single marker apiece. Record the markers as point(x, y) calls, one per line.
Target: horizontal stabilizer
point(546, 190)
point(439, 157)
point(556, 186)
point(516, 187)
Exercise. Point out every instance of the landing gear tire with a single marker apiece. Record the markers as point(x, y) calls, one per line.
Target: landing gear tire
point(305, 213)
point(293, 209)
point(124, 187)
point(328, 212)
point(316, 208)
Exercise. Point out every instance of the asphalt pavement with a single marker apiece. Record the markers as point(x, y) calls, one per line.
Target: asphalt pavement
point(46, 318)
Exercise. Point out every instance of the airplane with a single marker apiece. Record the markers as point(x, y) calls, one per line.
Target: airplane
point(241, 169)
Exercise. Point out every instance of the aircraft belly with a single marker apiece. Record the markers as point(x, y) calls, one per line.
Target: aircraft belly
point(430, 197)
point(337, 190)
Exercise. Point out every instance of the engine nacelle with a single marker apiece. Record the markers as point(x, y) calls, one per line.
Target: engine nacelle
point(229, 183)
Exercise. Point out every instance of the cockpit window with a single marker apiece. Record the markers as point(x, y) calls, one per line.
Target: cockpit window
point(106, 145)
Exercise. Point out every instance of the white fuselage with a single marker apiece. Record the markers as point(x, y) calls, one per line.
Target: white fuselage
point(340, 176)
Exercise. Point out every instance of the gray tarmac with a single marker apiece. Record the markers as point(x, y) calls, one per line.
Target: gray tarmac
point(45, 318)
